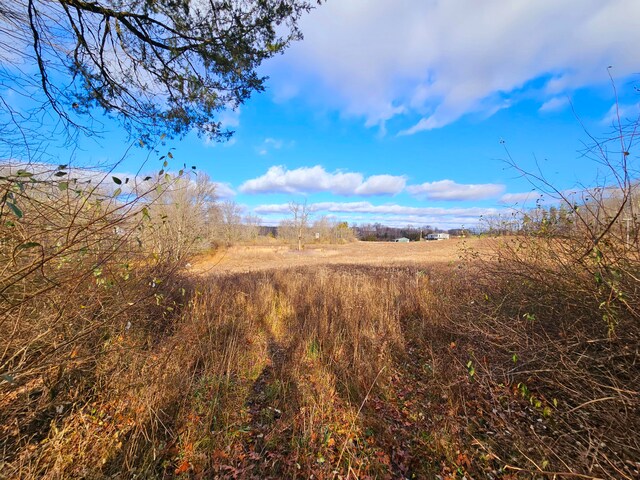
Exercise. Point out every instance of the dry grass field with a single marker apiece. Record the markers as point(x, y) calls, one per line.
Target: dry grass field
point(247, 258)
point(452, 359)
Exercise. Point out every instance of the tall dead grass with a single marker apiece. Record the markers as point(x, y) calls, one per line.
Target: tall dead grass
point(363, 371)
point(117, 365)
point(277, 361)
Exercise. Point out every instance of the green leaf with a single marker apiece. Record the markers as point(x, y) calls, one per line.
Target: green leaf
point(117, 192)
point(24, 173)
point(165, 164)
point(146, 179)
point(62, 167)
point(117, 181)
point(145, 213)
point(8, 378)
point(598, 277)
point(60, 174)
point(161, 172)
point(14, 208)
point(63, 186)
point(170, 155)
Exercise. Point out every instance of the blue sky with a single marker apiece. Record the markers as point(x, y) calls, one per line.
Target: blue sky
point(394, 111)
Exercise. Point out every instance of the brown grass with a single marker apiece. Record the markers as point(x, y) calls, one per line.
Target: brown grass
point(357, 361)
point(248, 258)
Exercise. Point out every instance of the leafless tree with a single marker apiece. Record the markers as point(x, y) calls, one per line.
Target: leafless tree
point(300, 213)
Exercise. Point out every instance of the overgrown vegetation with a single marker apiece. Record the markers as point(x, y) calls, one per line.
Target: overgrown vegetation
point(116, 362)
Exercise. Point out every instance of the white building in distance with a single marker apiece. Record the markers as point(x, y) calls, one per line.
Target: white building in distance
point(438, 236)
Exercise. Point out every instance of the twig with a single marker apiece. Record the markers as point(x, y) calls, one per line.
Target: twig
point(557, 474)
point(590, 402)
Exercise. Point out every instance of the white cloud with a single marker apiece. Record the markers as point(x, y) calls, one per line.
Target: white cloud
point(303, 180)
point(272, 144)
point(229, 119)
point(622, 113)
point(381, 185)
point(224, 190)
point(522, 198)
point(386, 209)
point(388, 214)
point(102, 177)
point(440, 60)
point(401, 221)
point(450, 190)
point(272, 209)
point(554, 104)
point(277, 144)
point(316, 179)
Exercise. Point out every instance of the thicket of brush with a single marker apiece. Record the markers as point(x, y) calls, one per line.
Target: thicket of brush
point(563, 301)
point(80, 269)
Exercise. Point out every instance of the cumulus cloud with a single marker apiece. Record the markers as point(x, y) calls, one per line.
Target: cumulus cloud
point(316, 179)
point(450, 190)
point(303, 180)
point(386, 209)
point(444, 59)
point(387, 214)
point(381, 185)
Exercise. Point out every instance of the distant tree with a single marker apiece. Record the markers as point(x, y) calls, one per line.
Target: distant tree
point(178, 212)
point(251, 227)
point(300, 220)
point(160, 66)
point(322, 227)
point(331, 231)
point(342, 232)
